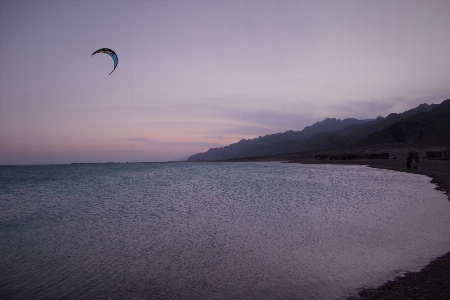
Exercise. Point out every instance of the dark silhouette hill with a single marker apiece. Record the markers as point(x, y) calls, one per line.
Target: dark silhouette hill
point(422, 129)
point(270, 144)
point(421, 126)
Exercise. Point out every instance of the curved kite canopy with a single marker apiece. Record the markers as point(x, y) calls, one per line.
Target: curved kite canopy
point(111, 53)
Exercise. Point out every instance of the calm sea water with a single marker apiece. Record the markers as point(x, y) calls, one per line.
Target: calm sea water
point(212, 230)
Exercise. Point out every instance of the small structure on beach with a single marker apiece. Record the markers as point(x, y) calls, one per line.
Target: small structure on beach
point(350, 156)
point(377, 156)
point(321, 156)
point(439, 154)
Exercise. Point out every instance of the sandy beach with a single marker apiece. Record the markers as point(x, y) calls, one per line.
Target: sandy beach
point(433, 281)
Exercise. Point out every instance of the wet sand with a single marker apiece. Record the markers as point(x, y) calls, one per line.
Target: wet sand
point(433, 281)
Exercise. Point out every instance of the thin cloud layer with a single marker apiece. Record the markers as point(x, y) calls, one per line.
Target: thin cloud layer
point(194, 75)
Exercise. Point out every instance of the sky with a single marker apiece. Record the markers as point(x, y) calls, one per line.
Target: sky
point(193, 75)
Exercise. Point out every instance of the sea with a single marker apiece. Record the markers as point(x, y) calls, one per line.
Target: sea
point(181, 230)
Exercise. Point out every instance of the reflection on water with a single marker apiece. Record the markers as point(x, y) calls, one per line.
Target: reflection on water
point(212, 231)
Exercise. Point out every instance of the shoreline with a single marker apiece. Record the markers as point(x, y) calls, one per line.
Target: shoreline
point(432, 281)
point(437, 170)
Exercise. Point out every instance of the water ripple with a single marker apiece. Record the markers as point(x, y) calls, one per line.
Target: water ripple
point(212, 231)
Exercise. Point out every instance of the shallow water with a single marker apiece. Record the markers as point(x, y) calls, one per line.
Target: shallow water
point(213, 230)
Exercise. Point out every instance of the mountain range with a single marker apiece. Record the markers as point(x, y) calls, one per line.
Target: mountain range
point(423, 126)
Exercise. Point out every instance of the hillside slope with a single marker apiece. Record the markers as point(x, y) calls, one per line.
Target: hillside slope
point(270, 143)
point(335, 133)
point(423, 129)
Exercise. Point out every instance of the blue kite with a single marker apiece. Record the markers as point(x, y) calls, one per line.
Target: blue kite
point(111, 53)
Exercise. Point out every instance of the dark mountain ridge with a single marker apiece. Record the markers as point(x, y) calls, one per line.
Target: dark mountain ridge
point(268, 143)
point(423, 125)
point(422, 129)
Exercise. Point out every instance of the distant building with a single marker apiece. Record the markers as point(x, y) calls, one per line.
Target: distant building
point(377, 156)
point(359, 156)
point(439, 154)
point(321, 156)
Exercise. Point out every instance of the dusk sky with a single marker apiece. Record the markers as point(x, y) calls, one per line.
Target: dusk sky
point(199, 74)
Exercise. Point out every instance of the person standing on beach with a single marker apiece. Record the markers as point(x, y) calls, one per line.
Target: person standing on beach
point(408, 163)
point(416, 163)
